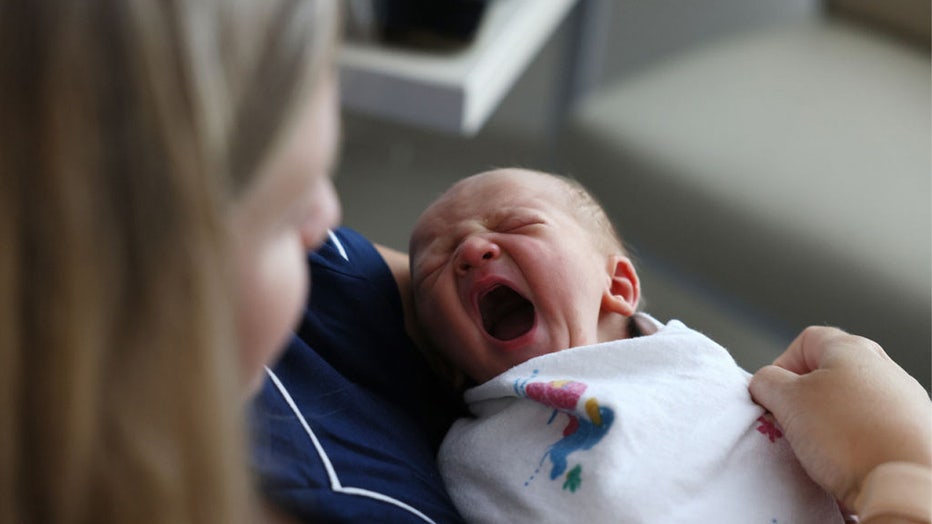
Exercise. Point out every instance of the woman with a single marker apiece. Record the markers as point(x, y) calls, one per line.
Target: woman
point(164, 168)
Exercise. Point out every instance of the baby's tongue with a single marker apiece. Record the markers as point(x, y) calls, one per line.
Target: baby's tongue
point(506, 315)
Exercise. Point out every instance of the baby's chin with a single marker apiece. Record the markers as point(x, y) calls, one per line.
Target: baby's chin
point(509, 360)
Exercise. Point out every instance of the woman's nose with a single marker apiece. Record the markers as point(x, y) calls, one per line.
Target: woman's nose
point(474, 251)
point(325, 215)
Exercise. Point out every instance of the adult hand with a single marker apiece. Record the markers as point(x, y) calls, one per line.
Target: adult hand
point(845, 408)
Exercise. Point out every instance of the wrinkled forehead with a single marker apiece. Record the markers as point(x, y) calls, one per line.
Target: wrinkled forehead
point(482, 197)
point(502, 188)
point(457, 204)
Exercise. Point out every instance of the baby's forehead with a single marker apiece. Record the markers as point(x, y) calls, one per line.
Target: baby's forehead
point(504, 188)
point(441, 217)
point(489, 196)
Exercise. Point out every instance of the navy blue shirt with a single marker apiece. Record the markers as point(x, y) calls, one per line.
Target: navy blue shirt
point(348, 422)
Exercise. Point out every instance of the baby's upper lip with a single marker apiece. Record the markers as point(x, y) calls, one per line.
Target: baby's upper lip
point(482, 286)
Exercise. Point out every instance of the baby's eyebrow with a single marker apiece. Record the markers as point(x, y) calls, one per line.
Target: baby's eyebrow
point(509, 213)
point(496, 216)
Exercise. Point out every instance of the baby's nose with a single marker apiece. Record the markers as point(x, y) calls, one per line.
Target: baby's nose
point(474, 251)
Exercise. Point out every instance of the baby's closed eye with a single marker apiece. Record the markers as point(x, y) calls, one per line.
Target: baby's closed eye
point(519, 223)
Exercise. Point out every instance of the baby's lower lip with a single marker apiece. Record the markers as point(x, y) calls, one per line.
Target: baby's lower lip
point(518, 343)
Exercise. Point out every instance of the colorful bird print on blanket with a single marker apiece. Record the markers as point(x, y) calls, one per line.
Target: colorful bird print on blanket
point(587, 423)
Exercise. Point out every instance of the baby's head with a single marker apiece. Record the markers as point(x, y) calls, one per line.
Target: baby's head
point(511, 264)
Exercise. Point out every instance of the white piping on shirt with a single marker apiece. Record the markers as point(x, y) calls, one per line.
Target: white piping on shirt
point(335, 483)
point(338, 244)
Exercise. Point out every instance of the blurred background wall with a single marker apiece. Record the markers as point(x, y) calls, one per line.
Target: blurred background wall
point(767, 162)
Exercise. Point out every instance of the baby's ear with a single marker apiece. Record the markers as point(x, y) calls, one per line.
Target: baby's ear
point(624, 289)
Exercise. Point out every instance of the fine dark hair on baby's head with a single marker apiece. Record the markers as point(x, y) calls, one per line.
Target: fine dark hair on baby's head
point(588, 209)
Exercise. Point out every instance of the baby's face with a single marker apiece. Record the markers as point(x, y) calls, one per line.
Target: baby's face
point(502, 271)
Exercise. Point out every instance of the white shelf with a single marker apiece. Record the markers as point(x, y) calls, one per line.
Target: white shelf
point(454, 92)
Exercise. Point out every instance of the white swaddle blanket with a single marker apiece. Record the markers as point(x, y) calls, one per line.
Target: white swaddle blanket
point(658, 429)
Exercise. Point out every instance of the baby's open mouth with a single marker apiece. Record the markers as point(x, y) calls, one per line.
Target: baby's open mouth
point(506, 315)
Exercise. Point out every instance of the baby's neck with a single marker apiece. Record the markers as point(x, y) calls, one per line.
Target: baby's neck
point(616, 327)
point(640, 325)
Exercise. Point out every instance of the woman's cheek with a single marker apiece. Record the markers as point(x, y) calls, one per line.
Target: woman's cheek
point(273, 293)
point(325, 215)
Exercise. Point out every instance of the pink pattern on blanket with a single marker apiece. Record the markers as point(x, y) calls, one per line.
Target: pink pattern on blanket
point(562, 395)
point(769, 428)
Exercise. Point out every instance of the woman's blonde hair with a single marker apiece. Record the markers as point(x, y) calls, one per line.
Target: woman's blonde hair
point(128, 129)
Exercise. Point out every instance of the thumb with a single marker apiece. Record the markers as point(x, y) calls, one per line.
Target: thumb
point(770, 387)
